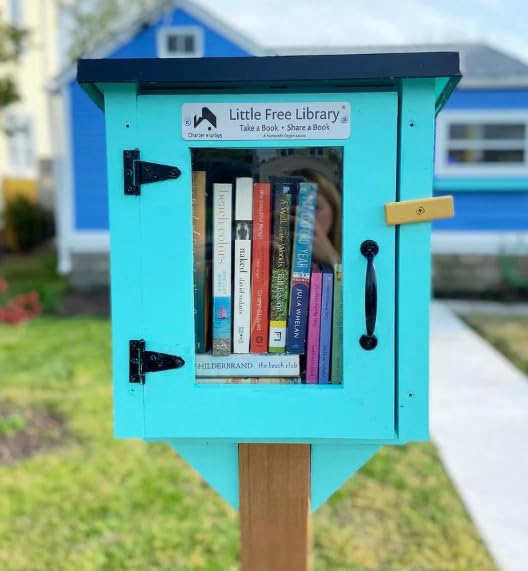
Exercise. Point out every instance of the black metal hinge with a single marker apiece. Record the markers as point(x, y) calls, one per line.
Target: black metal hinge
point(138, 172)
point(142, 361)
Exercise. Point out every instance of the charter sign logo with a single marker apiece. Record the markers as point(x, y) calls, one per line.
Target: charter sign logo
point(266, 121)
point(207, 115)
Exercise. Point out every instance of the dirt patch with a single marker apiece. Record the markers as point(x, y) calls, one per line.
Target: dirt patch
point(24, 432)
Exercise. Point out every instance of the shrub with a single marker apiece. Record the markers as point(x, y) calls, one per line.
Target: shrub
point(26, 224)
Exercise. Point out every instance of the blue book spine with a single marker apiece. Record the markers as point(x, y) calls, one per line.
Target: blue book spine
point(325, 340)
point(301, 266)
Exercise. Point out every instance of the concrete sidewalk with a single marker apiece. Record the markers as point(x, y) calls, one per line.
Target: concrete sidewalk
point(479, 420)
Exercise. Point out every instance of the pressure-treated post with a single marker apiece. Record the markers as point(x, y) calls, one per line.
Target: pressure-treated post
point(275, 507)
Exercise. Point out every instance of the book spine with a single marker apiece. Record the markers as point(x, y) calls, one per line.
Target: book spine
point(336, 376)
point(314, 328)
point(301, 264)
point(242, 262)
point(280, 271)
point(326, 326)
point(249, 380)
point(222, 220)
point(260, 276)
point(199, 261)
point(247, 365)
point(208, 302)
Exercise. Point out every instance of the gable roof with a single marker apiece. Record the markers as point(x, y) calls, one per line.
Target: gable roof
point(323, 71)
point(480, 64)
point(131, 29)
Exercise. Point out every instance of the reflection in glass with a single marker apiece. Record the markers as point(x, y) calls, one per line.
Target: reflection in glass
point(267, 265)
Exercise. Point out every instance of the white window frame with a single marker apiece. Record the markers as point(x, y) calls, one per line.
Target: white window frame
point(27, 167)
point(447, 118)
point(16, 12)
point(164, 33)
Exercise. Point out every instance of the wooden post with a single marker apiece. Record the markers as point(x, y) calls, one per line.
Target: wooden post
point(275, 507)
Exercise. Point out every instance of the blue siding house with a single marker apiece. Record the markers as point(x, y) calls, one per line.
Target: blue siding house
point(180, 30)
point(481, 150)
point(482, 160)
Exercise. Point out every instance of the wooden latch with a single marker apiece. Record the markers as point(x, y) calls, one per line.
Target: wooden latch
point(421, 210)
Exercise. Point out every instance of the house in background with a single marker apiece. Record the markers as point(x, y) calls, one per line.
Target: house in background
point(182, 30)
point(25, 134)
point(482, 160)
point(481, 153)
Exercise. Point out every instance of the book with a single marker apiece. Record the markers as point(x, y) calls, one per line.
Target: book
point(249, 380)
point(246, 365)
point(300, 267)
point(336, 374)
point(242, 263)
point(314, 328)
point(199, 258)
point(280, 267)
point(208, 301)
point(260, 267)
point(222, 220)
point(325, 336)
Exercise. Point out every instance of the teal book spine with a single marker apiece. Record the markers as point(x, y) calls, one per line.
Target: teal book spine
point(301, 266)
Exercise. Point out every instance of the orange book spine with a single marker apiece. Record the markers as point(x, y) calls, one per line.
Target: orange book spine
point(260, 272)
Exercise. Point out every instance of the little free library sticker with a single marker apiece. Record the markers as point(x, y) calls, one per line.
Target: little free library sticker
point(270, 121)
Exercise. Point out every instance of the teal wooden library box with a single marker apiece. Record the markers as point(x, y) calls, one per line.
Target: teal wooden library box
point(270, 251)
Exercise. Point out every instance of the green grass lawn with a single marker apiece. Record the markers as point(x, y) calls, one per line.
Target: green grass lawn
point(25, 273)
point(85, 501)
point(74, 499)
point(508, 333)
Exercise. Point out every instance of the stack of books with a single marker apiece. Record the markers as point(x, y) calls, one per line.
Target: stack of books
point(264, 311)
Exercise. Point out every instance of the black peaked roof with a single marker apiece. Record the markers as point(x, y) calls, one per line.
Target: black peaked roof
point(186, 72)
point(272, 72)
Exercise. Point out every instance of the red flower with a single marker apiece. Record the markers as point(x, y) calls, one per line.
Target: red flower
point(21, 307)
point(14, 314)
point(28, 302)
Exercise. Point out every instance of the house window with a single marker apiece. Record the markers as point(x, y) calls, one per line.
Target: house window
point(16, 12)
point(180, 42)
point(21, 156)
point(482, 144)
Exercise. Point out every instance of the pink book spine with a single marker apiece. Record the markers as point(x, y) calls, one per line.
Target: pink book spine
point(314, 328)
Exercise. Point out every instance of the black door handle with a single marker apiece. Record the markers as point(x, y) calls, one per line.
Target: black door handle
point(369, 249)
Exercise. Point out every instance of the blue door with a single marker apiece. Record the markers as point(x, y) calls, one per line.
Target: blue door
point(361, 407)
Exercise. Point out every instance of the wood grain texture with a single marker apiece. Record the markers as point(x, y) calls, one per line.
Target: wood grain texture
point(275, 507)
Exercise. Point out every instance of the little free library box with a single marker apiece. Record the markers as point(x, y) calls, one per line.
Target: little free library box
point(270, 252)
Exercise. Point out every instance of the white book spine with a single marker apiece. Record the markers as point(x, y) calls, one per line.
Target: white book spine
point(250, 365)
point(242, 301)
point(222, 223)
point(242, 261)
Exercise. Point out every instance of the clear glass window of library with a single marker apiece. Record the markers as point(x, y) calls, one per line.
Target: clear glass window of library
point(267, 265)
